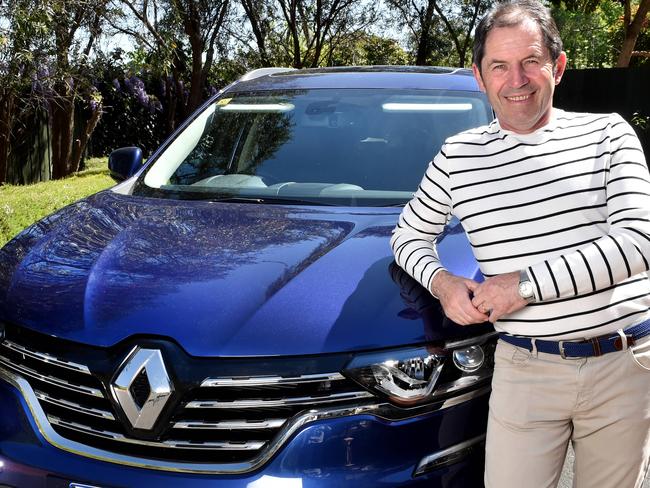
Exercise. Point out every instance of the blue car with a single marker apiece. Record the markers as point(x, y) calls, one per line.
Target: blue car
point(230, 313)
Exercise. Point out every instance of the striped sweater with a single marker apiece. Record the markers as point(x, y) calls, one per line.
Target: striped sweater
point(570, 203)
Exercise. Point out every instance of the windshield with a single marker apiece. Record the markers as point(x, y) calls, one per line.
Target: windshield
point(365, 147)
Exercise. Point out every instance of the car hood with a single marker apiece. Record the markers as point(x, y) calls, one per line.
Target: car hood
point(222, 279)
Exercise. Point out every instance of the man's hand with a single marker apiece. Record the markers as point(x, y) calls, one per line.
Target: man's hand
point(499, 296)
point(454, 294)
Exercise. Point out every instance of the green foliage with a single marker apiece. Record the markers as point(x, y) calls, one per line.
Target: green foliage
point(133, 110)
point(228, 70)
point(369, 49)
point(21, 206)
point(640, 121)
point(593, 37)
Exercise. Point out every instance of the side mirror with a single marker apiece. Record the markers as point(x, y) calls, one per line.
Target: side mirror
point(124, 162)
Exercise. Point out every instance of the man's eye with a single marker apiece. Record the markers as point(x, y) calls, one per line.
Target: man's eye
point(531, 62)
point(498, 67)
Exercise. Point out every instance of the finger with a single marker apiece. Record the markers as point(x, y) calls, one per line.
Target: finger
point(462, 311)
point(475, 316)
point(481, 294)
point(472, 285)
point(470, 305)
point(457, 318)
point(481, 307)
point(494, 316)
point(460, 316)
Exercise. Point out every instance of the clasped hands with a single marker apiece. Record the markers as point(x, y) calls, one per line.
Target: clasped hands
point(468, 302)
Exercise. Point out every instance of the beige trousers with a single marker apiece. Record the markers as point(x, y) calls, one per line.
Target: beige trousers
point(540, 402)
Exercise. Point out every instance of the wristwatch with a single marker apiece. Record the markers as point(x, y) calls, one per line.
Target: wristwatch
point(526, 287)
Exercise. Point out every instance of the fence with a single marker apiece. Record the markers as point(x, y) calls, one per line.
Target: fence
point(622, 90)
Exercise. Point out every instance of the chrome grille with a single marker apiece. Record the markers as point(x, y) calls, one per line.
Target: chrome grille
point(219, 420)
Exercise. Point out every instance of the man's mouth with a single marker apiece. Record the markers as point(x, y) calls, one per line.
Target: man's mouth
point(518, 98)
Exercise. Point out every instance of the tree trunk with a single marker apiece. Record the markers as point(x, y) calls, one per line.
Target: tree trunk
point(424, 42)
point(62, 113)
point(170, 106)
point(289, 10)
point(255, 21)
point(452, 33)
point(80, 144)
point(7, 104)
point(196, 81)
point(632, 31)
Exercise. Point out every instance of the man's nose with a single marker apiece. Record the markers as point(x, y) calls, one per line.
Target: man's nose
point(517, 76)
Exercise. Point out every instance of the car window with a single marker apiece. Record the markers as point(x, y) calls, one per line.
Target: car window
point(349, 147)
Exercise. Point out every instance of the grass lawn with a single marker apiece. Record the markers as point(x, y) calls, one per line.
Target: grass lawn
point(21, 206)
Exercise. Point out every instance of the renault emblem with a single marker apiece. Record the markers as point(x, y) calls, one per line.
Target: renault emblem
point(142, 387)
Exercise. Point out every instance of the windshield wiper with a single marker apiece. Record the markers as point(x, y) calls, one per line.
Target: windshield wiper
point(268, 199)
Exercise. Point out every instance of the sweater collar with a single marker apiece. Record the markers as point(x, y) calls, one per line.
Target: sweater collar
point(537, 135)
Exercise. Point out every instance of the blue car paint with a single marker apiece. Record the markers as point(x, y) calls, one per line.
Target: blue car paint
point(253, 279)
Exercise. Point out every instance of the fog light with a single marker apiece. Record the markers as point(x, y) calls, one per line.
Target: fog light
point(469, 359)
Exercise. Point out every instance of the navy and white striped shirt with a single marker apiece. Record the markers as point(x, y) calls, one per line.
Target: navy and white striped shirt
point(570, 203)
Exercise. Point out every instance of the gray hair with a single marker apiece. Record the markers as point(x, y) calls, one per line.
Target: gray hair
point(511, 13)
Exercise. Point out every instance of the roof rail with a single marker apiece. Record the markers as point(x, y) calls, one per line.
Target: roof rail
point(256, 73)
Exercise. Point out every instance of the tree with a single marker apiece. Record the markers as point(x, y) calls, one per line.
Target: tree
point(21, 46)
point(304, 33)
point(634, 20)
point(590, 34)
point(181, 38)
point(76, 25)
point(45, 45)
point(633, 26)
point(431, 21)
point(260, 16)
point(203, 22)
point(368, 49)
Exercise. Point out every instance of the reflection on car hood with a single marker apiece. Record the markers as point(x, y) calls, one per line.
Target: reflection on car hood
point(221, 279)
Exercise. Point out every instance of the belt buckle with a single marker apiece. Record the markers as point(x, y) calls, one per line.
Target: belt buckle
point(563, 355)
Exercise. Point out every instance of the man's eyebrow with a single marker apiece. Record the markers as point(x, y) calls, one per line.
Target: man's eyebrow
point(496, 61)
point(499, 61)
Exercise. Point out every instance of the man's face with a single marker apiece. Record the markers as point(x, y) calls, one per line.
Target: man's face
point(519, 76)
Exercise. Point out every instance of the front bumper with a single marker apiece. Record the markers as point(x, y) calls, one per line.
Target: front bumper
point(361, 450)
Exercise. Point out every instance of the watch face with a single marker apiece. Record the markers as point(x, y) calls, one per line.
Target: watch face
point(526, 289)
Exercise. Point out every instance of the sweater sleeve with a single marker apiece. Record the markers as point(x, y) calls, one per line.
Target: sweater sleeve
point(625, 250)
point(423, 219)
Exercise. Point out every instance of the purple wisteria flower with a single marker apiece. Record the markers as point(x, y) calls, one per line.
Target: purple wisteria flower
point(136, 88)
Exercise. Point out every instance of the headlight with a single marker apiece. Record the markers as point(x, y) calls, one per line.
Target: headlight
point(406, 376)
point(413, 376)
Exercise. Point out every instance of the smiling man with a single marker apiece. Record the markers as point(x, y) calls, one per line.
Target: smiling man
point(556, 206)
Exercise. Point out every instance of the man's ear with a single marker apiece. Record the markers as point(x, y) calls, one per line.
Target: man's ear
point(477, 75)
point(558, 69)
